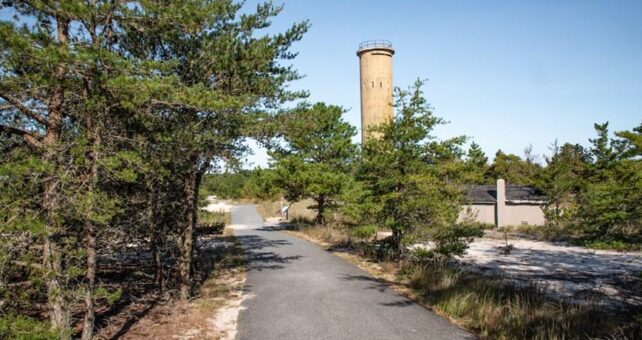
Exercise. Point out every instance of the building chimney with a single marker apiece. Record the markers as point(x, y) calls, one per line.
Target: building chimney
point(500, 206)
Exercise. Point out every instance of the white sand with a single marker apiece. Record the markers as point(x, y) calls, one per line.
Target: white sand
point(573, 273)
point(226, 318)
point(216, 205)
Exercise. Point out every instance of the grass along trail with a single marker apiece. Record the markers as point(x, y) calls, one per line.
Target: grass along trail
point(491, 307)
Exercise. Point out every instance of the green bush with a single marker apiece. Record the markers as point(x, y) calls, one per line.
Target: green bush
point(612, 245)
point(363, 232)
point(453, 240)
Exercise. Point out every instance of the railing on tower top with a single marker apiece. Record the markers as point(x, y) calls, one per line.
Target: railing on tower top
point(375, 44)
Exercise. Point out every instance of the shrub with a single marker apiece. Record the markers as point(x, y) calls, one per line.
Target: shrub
point(21, 327)
point(212, 222)
point(453, 240)
point(363, 232)
point(614, 245)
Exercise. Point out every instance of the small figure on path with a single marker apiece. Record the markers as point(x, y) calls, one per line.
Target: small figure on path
point(284, 212)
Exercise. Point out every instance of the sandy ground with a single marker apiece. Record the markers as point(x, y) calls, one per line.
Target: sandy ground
point(225, 320)
point(574, 273)
point(217, 206)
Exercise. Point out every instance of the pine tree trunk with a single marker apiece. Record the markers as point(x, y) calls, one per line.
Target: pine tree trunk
point(52, 255)
point(158, 262)
point(156, 225)
point(320, 210)
point(88, 323)
point(396, 241)
point(58, 315)
point(191, 203)
point(90, 233)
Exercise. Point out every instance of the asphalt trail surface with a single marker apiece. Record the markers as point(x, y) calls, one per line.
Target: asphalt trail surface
point(297, 290)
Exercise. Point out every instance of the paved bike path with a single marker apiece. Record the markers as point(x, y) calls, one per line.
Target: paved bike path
point(297, 290)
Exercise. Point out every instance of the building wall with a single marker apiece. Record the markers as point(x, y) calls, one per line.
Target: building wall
point(504, 213)
point(482, 213)
point(519, 214)
point(513, 214)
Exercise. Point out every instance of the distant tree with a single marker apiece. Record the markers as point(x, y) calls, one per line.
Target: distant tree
point(476, 156)
point(262, 185)
point(252, 184)
point(529, 156)
point(513, 169)
point(603, 150)
point(225, 185)
point(609, 202)
point(476, 164)
point(316, 158)
point(561, 180)
point(403, 185)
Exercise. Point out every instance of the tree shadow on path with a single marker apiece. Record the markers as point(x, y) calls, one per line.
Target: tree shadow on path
point(259, 254)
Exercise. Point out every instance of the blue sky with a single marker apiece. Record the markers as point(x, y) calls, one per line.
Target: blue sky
point(506, 73)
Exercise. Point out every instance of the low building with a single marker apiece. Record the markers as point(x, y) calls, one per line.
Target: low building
point(504, 205)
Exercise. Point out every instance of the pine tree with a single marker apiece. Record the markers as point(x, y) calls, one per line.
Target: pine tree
point(476, 164)
point(111, 112)
point(57, 83)
point(404, 185)
point(316, 160)
point(609, 201)
point(561, 181)
point(233, 77)
point(513, 169)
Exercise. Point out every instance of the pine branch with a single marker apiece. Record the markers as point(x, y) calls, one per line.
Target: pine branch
point(30, 138)
point(24, 109)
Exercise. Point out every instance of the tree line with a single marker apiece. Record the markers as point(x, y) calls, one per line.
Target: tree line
point(111, 112)
point(414, 184)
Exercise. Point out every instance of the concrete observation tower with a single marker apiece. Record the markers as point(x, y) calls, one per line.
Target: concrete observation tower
point(375, 66)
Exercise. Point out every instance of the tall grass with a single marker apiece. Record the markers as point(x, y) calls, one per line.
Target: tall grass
point(496, 309)
point(206, 218)
point(212, 222)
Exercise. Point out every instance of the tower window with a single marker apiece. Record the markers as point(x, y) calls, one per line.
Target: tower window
point(373, 84)
point(380, 84)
